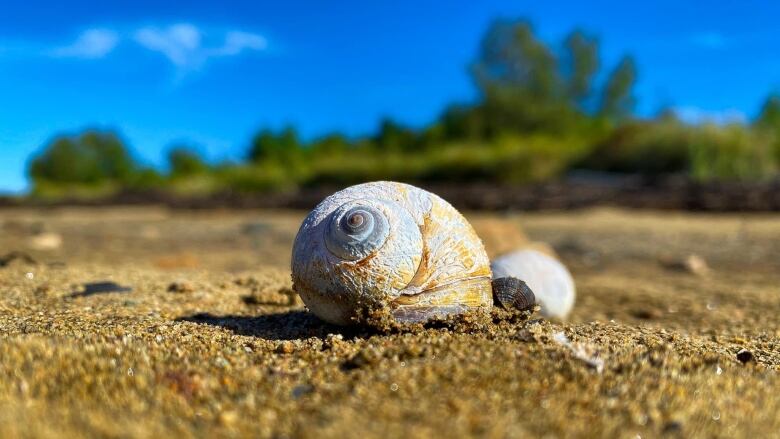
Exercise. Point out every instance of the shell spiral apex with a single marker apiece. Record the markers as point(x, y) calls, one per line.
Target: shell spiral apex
point(390, 244)
point(356, 230)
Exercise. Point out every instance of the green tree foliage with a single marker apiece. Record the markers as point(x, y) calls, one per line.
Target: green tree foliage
point(730, 152)
point(618, 101)
point(283, 146)
point(91, 158)
point(580, 65)
point(768, 123)
point(526, 87)
point(769, 116)
point(462, 122)
point(647, 147)
point(512, 58)
point(393, 136)
point(331, 144)
point(184, 162)
point(519, 80)
point(539, 114)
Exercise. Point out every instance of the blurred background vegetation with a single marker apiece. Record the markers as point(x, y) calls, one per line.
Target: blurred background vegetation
point(541, 113)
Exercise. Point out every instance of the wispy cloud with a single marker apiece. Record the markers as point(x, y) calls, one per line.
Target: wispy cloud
point(187, 46)
point(238, 41)
point(697, 115)
point(180, 43)
point(709, 40)
point(183, 44)
point(91, 44)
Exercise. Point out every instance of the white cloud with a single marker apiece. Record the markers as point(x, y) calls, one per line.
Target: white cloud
point(179, 43)
point(91, 44)
point(183, 44)
point(237, 41)
point(187, 46)
point(696, 115)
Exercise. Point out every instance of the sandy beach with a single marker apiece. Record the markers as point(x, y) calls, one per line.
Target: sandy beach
point(148, 322)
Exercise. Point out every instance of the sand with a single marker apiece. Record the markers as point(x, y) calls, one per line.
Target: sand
point(146, 322)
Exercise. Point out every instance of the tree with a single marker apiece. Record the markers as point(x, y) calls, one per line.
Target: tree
point(768, 122)
point(580, 64)
point(330, 144)
point(511, 57)
point(461, 121)
point(93, 157)
point(183, 162)
point(519, 78)
point(617, 101)
point(393, 136)
point(769, 116)
point(269, 145)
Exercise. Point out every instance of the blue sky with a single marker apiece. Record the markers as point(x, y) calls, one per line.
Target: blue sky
point(212, 73)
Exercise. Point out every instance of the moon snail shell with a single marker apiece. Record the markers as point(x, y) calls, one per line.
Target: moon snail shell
point(393, 244)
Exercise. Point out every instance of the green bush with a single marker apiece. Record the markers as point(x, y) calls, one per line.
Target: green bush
point(260, 177)
point(731, 152)
point(90, 158)
point(93, 163)
point(508, 159)
point(644, 147)
point(183, 162)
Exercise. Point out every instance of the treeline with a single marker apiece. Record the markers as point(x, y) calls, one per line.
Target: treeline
point(541, 112)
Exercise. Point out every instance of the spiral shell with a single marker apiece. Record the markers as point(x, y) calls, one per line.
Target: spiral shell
point(549, 279)
point(392, 244)
point(513, 293)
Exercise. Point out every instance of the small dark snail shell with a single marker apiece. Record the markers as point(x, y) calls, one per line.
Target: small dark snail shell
point(511, 292)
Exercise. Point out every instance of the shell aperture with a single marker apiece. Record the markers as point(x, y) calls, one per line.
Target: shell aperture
point(392, 244)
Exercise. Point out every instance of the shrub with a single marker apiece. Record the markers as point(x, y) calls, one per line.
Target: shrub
point(184, 162)
point(91, 158)
point(644, 147)
point(730, 153)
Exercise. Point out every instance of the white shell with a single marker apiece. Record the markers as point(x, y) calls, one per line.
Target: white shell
point(549, 279)
point(431, 264)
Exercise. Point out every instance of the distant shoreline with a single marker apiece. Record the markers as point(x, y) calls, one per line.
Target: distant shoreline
point(672, 193)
